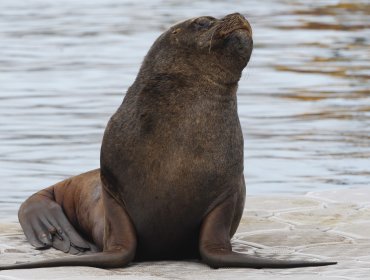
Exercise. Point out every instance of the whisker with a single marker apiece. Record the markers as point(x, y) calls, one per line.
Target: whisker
point(210, 43)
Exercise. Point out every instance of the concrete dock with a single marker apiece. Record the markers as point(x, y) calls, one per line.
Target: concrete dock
point(330, 225)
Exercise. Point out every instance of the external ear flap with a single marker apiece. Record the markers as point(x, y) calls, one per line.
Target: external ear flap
point(177, 30)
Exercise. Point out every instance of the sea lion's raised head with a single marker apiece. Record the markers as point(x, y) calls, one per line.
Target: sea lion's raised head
point(217, 48)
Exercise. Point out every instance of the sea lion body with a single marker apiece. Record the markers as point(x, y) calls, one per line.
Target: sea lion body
point(178, 138)
point(171, 169)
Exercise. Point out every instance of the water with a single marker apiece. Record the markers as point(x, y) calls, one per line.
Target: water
point(304, 99)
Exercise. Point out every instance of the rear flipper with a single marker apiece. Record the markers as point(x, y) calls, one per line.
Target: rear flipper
point(45, 225)
point(119, 242)
point(215, 247)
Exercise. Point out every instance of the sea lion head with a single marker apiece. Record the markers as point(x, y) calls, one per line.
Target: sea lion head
point(205, 46)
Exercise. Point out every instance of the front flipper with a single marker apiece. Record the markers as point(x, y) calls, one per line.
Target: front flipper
point(119, 243)
point(45, 225)
point(215, 247)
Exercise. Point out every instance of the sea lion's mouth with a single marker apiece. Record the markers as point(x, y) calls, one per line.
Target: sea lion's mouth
point(232, 35)
point(224, 34)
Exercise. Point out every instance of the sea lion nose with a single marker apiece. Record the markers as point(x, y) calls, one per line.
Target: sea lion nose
point(240, 20)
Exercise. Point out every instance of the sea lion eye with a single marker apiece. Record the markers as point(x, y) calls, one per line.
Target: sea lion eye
point(203, 22)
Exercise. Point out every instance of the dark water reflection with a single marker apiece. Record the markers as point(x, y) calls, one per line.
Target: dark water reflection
point(304, 100)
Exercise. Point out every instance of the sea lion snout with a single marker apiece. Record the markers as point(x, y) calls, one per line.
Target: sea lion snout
point(233, 22)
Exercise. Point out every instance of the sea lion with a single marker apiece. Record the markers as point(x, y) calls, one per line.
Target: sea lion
point(171, 183)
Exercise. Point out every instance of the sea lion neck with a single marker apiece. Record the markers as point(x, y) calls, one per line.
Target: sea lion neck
point(189, 73)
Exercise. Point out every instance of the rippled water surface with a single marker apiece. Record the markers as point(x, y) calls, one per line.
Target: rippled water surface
point(304, 99)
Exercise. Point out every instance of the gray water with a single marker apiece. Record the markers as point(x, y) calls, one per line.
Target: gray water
point(304, 100)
